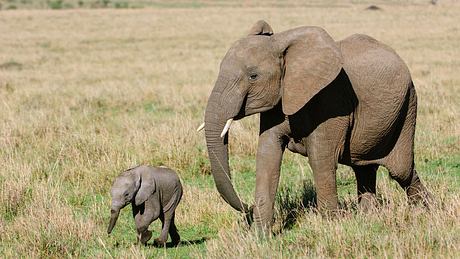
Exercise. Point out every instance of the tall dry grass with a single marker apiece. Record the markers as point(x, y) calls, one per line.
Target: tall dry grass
point(85, 94)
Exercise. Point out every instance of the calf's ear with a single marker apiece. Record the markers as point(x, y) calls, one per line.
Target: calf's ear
point(147, 187)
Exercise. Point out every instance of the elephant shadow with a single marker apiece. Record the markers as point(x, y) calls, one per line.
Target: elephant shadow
point(181, 243)
point(292, 203)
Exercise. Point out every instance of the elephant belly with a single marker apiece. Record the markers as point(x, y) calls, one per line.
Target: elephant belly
point(381, 81)
point(370, 142)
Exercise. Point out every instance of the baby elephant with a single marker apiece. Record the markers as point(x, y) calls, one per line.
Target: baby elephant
point(154, 192)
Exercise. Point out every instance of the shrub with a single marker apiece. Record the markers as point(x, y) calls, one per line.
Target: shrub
point(55, 4)
point(121, 5)
point(105, 3)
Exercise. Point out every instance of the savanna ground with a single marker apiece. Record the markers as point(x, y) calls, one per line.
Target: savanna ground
point(87, 93)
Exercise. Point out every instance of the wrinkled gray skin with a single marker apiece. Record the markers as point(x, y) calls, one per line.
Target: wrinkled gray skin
point(154, 192)
point(350, 102)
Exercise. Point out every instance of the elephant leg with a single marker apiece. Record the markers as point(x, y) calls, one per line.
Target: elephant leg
point(366, 177)
point(144, 215)
point(323, 151)
point(324, 175)
point(267, 179)
point(143, 234)
point(400, 161)
point(411, 183)
point(325, 144)
point(175, 237)
point(166, 219)
point(268, 161)
point(417, 192)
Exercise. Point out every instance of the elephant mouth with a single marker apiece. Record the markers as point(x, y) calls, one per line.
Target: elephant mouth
point(243, 110)
point(246, 109)
point(250, 107)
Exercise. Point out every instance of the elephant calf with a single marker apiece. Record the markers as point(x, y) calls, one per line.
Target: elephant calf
point(154, 192)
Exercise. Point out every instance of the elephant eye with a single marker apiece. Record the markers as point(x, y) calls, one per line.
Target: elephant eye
point(253, 77)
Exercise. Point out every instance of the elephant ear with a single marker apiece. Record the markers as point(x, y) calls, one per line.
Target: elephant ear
point(261, 27)
point(147, 186)
point(312, 60)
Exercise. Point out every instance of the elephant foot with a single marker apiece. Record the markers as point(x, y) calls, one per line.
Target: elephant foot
point(145, 237)
point(175, 240)
point(159, 242)
point(368, 202)
point(263, 231)
point(418, 194)
point(330, 213)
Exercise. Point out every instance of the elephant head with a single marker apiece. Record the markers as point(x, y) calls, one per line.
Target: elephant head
point(131, 186)
point(258, 72)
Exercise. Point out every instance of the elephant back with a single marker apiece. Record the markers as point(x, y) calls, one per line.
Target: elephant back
point(380, 80)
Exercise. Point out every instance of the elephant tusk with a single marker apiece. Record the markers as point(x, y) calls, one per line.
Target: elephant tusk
point(200, 127)
point(226, 128)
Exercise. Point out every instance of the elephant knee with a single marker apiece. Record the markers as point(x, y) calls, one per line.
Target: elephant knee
point(142, 224)
point(400, 167)
point(403, 174)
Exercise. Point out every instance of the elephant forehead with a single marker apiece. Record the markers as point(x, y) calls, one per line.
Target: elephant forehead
point(116, 192)
point(252, 48)
point(122, 182)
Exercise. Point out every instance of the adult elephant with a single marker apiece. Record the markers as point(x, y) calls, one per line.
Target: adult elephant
point(350, 102)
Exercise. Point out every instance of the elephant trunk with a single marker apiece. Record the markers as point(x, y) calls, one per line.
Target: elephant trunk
point(222, 107)
point(113, 219)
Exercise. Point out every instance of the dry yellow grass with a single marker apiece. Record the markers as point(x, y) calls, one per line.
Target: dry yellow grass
point(85, 94)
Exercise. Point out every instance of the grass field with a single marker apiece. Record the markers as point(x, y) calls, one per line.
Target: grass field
point(87, 93)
